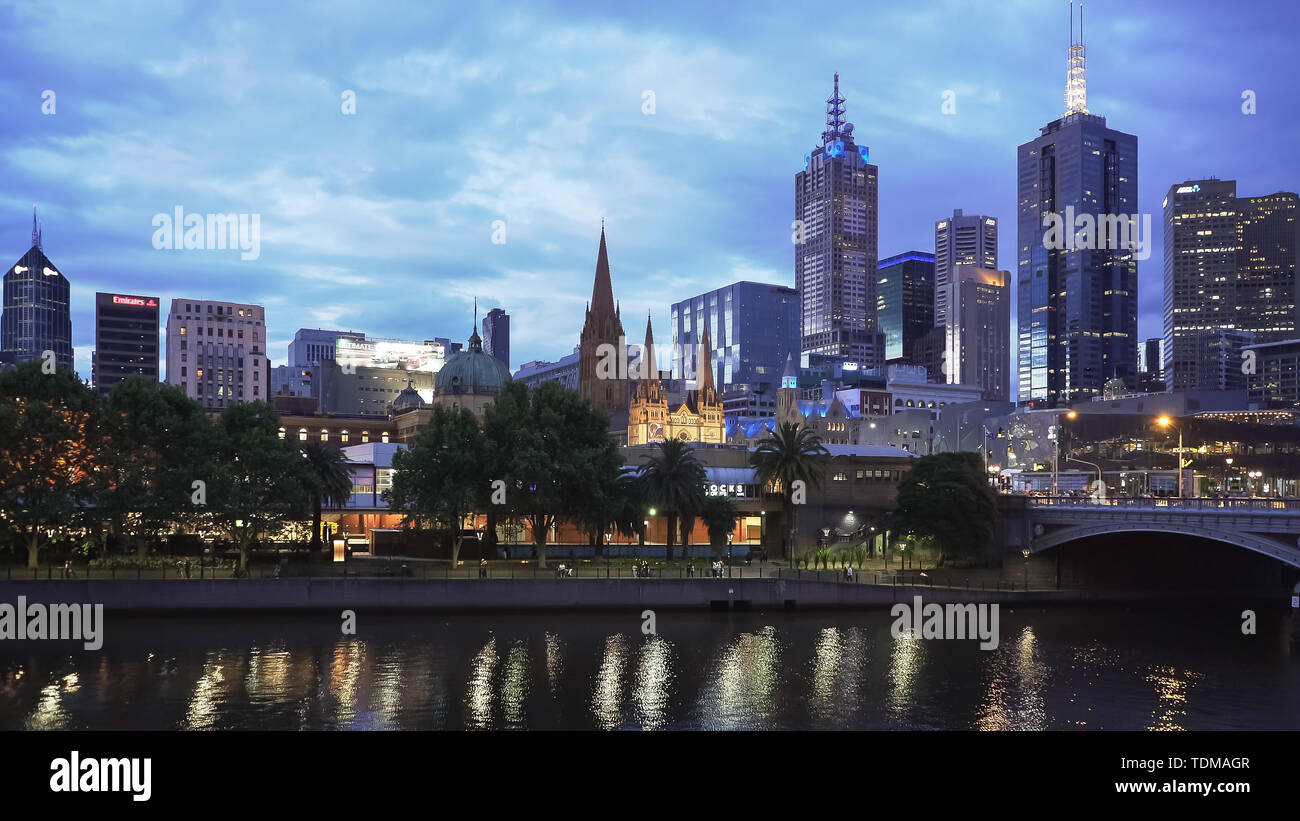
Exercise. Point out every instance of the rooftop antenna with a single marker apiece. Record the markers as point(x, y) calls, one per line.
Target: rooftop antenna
point(36, 229)
point(1076, 82)
point(834, 113)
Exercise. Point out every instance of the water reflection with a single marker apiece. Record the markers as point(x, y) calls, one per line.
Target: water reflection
point(1053, 670)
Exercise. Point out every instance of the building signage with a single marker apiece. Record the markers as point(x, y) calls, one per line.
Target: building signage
point(135, 301)
point(716, 489)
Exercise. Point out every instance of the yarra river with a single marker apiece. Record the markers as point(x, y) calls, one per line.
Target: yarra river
point(1181, 666)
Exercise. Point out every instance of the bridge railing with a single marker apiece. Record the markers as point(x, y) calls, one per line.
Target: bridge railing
point(1158, 503)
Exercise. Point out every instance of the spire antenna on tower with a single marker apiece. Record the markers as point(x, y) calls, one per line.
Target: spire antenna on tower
point(1076, 77)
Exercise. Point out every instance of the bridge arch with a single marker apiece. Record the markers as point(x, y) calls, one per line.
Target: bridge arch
point(1289, 554)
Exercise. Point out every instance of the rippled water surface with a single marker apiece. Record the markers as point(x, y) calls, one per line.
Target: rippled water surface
point(1182, 667)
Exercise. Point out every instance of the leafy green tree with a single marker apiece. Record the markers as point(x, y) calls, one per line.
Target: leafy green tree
point(260, 482)
point(719, 515)
point(788, 455)
point(438, 479)
point(561, 457)
point(673, 479)
point(48, 433)
point(156, 447)
point(331, 482)
point(946, 497)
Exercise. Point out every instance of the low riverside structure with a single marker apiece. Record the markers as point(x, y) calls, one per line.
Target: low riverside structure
point(791, 590)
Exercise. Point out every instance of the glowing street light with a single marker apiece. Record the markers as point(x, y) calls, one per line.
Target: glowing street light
point(1166, 422)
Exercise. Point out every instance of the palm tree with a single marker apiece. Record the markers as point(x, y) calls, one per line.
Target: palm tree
point(673, 479)
point(332, 482)
point(719, 515)
point(789, 454)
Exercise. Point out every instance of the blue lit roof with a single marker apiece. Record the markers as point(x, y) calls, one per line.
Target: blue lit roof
point(908, 256)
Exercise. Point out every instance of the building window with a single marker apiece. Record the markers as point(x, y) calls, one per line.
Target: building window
point(302, 434)
point(383, 437)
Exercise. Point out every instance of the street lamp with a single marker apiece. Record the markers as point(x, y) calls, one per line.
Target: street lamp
point(1025, 553)
point(1057, 430)
point(1166, 422)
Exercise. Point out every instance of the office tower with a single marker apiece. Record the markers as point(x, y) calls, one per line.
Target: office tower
point(216, 351)
point(1268, 233)
point(496, 335)
point(1229, 266)
point(977, 337)
point(601, 345)
point(835, 211)
point(1150, 361)
point(905, 300)
point(1275, 382)
point(126, 339)
point(1076, 272)
point(315, 346)
point(36, 316)
point(961, 240)
point(1200, 274)
point(752, 328)
point(928, 352)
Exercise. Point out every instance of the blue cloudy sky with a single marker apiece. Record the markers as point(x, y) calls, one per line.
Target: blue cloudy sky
point(531, 113)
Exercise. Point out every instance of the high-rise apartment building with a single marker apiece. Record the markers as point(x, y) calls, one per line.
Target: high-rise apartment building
point(977, 336)
point(36, 315)
point(496, 335)
point(836, 215)
point(905, 300)
point(961, 239)
point(752, 328)
point(126, 339)
point(1079, 237)
point(216, 351)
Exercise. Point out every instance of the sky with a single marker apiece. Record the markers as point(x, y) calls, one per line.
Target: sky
point(534, 116)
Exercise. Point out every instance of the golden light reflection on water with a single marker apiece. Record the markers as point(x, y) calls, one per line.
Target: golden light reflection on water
point(1016, 681)
point(213, 690)
point(346, 664)
point(554, 663)
point(741, 692)
point(478, 695)
point(607, 698)
point(654, 680)
point(1172, 688)
point(839, 666)
point(50, 713)
point(905, 661)
point(514, 687)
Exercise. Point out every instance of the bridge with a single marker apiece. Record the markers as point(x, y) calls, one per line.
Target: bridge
point(1267, 526)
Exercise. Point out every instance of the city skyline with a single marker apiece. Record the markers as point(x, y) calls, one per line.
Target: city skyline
point(347, 229)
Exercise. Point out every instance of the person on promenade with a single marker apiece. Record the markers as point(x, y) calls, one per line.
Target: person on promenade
point(690, 569)
point(848, 572)
point(482, 568)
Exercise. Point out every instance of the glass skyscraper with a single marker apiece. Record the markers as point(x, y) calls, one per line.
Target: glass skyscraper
point(835, 228)
point(36, 316)
point(1077, 294)
point(752, 326)
point(905, 300)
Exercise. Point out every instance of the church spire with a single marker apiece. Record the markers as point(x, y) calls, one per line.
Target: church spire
point(475, 341)
point(602, 292)
point(705, 376)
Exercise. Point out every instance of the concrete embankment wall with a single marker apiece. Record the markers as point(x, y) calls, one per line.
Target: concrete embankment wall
point(500, 594)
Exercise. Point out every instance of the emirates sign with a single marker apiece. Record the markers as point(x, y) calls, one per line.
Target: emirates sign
point(139, 302)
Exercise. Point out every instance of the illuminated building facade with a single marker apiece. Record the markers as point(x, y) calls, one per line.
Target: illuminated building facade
point(126, 339)
point(216, 351)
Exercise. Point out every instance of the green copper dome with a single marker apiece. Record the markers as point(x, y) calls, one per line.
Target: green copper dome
point(408, 399)
point(472, 372)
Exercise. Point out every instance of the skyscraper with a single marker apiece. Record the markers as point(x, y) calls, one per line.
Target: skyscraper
point(496, 335)
point(36, 316)
point(216, 351)
point(126, 339)
point(905, 300)
point(977, 336)
point(1229, 279)
point(961, 240)
point(835, 211)
point(1268, 233)
point(1077, 294)
point(752, 327)
point(602, 345)
point(1150, 360)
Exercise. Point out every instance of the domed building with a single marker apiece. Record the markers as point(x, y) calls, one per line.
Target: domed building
point(408, 400)
point(470, 379)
